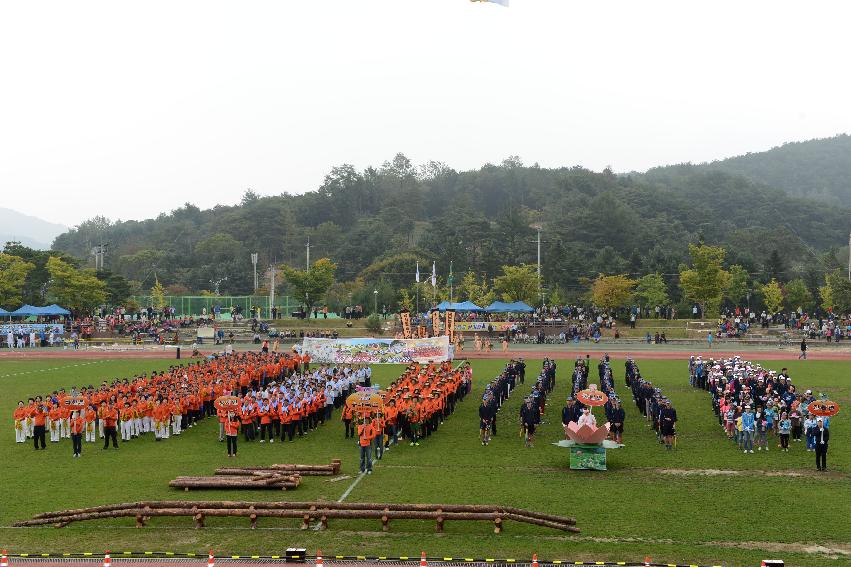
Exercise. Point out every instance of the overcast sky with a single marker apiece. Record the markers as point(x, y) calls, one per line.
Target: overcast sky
point(128, 109)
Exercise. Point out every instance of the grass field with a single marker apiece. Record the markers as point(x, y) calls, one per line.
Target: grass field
point(649, 502)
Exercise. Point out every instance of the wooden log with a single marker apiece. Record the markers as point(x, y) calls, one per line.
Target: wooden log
point(497, 525)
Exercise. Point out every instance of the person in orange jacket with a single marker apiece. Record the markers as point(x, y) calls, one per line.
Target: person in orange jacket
point(264, 414)
point(247, 414)
point(231, 427)
point(90, 415)
point(55, 416)
point(39, 416)
point(109, 416)
point(366, 433)
point(77, 425)
point(127, 414)
point(20, 418)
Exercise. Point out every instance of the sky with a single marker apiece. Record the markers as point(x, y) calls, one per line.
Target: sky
point(130, 109)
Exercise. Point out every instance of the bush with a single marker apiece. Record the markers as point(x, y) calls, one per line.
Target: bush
point(373, 324)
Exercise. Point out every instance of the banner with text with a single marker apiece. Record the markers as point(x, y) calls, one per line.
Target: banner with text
point(482, 326)
point(377, 351)
point(37, 327)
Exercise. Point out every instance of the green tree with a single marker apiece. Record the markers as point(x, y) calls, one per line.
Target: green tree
point(556, 296)
point(405, 300)
point(517, 283)
point(13, 274)
point(472, 289)
point(774, 268)
point(836, 292)
point(740, 282)
point(706, 281)
point(772, 295)
point(310, 286)
point(612, 292)
point(157, 295)
point(75, 289)
point(798, 295)
point(373, 324)
point(651, 290)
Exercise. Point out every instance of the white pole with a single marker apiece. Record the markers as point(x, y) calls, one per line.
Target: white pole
point(254, 263)
point(308, 253)
point(849, 256)
point(271, 288)
point(540, 289)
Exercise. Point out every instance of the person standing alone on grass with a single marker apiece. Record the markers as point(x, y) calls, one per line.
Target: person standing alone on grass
point(803, 349)
point(822, 436)
point(78, 424)
point(231, 427)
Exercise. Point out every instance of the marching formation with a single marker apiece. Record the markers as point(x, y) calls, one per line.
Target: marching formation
point(279, 397)
point(412, 407)
point(754, 404)
point(653, 405)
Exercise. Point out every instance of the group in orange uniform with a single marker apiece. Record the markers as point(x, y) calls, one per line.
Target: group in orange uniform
point(164, 403)
point(415, 404)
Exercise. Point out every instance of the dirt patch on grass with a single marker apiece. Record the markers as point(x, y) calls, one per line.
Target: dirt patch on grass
point(752, 472)
point(834, 550)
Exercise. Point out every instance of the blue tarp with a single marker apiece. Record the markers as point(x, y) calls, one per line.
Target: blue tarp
point(3, 311)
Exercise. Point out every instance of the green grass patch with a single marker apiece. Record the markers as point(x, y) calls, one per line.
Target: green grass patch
point(633, 510)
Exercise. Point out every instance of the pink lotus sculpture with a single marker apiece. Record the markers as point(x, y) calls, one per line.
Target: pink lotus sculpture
point(586, 434)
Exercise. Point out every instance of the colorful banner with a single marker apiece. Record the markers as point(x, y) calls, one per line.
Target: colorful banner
point(59, 329)
point(450, 326)
point(435, 323)
point(405, 316)
point(377, 351)
point(482, 326)
point(365, 402)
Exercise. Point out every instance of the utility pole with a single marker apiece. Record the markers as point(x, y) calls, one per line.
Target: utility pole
point(451, 282)
point(271, 287)
point(308, 252)
point(849, 256)
point(540, 288)
point(254, 263)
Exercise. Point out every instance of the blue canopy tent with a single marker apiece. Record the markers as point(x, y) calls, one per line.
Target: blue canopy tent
point(521, 307)
point(466, 306)
point(498, 307)
point(463, 306)
point(3, 311)
point(26, 311)
point(54, 311)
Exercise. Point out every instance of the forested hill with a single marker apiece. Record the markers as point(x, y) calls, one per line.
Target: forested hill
point(818, 169)
point(376, 223)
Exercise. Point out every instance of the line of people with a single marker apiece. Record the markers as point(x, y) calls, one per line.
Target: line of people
point(653, 405)
point(535, 404)
point(754, 404)
point(495, 394)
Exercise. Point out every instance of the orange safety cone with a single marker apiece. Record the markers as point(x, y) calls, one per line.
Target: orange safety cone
point(319, 562)
point(107, 562)
point(534, 560)
point(4, 561)
point(210, 561)
point(423, 562)
point(647, 561)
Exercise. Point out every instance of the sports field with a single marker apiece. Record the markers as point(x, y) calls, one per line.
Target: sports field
point(704, 503)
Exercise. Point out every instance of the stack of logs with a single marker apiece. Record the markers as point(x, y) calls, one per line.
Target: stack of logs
point(307, 512)
point(271, 477)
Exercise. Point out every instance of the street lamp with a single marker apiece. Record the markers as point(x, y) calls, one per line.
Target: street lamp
point(538, 226)
point(375, 302)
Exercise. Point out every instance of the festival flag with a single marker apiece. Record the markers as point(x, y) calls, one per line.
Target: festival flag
point(435, 323)
point(450, 326)
point(433, 274)
point(417, 277)
point(406, 324)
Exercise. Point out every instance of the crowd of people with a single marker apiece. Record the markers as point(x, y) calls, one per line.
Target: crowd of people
point(756, 407)
point(280, 395)
point(413, 408)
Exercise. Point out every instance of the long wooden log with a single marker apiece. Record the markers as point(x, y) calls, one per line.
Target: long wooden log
point(307, 511)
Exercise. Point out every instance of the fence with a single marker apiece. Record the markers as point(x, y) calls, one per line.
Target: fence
point(196, 304)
